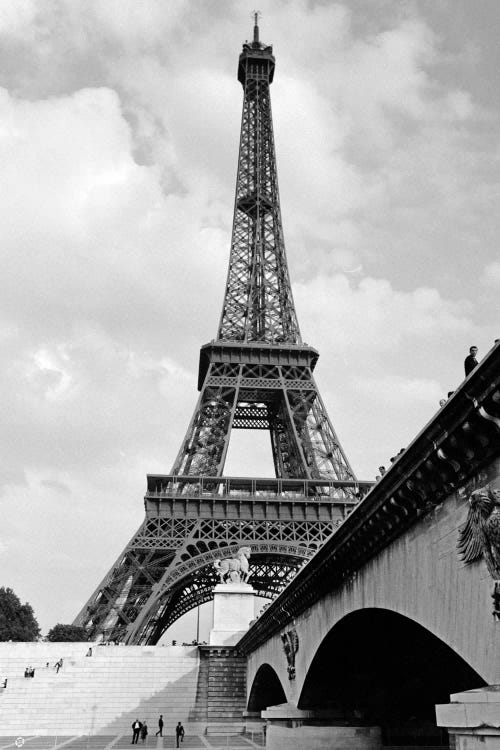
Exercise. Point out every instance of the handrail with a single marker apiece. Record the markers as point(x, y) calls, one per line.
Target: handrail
point(172, 485)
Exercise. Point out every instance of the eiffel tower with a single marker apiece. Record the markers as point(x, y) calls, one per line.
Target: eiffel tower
point(257, 374)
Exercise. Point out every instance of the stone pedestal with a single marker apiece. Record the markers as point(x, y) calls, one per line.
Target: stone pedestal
point(233, 612)
point(291, 728)
point(473, 717)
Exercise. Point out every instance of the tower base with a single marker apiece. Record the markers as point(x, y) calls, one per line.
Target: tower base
point(233, 612)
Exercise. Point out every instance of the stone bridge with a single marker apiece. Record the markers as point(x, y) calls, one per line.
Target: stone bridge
point(387, 620)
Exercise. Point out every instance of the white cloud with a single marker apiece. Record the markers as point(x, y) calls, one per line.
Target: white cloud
point(491, 274)
point(395, 391)
point(49, 373)
point(95, 233)
point(16, 16)
point(371, 316)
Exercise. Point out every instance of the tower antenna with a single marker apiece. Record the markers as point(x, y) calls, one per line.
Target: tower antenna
point(256, 15)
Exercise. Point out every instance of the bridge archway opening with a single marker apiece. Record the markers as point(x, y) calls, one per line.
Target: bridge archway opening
point(378, 667)
point(267, 690)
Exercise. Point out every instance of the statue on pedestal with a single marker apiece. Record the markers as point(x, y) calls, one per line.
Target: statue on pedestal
point(234, 569)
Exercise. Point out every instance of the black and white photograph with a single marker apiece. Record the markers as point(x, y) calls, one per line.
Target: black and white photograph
point(250, 382)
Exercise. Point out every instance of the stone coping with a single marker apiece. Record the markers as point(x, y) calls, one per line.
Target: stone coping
point(471, 710)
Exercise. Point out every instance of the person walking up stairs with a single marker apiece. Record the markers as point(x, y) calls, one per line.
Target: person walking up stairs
point(179, 733)
point(160, 726)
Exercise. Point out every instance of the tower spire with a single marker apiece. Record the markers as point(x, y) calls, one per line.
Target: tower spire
point(256, 28)
point(258, 303)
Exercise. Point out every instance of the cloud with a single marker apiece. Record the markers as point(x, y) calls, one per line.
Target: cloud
point(491, 274)
point(16, 16)
point(53, 484)
point(369, 315)
point(395, 391)
point(94, 402)
point(86, 243)
point(95, 314)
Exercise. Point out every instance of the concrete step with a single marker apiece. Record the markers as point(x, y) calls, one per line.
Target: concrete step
point(105, 692)
point(226, 729)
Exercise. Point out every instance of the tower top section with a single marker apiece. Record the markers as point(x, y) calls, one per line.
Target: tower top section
point(258, 304)
point(257, 59)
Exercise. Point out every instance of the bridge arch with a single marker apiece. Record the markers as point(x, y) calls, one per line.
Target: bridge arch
point(266, 690)
point(377, 665)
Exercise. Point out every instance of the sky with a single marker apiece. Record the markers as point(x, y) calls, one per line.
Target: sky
point(119, 129)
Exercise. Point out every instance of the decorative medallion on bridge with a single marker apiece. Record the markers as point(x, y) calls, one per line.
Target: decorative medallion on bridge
point(480, 536)
point(290, 641)
point(257, 374)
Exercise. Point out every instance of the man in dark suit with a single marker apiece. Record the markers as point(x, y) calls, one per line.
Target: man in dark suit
point(179, 734)
point(136, 729)
point(470, 361)
point(160, 726)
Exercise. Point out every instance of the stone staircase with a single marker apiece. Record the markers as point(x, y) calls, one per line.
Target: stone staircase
point(101, 693)
point(221, 688)
point(204, 687)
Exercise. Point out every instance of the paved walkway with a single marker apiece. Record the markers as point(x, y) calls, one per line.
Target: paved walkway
point(123, 742)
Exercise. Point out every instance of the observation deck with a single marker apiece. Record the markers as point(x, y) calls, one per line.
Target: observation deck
point(237, 497)
point(256, 60)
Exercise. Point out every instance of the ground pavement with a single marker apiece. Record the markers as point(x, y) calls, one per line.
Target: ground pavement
point(123, 742)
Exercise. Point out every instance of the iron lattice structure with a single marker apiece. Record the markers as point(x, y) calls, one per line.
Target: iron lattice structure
point(257, 374)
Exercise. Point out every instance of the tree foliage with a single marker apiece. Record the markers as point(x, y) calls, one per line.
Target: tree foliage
point(61, 632)
point(17, 621)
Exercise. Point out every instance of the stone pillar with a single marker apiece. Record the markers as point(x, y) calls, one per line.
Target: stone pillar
point(473, 717)
point(289, 727)
point(233, 612)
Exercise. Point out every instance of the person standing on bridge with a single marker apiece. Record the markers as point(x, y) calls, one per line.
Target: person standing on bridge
point(470, 361)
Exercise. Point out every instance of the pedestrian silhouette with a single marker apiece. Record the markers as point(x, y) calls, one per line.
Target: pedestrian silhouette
point(470, 361)
point(179, 734)
point(136, 728)
point(160, 726)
